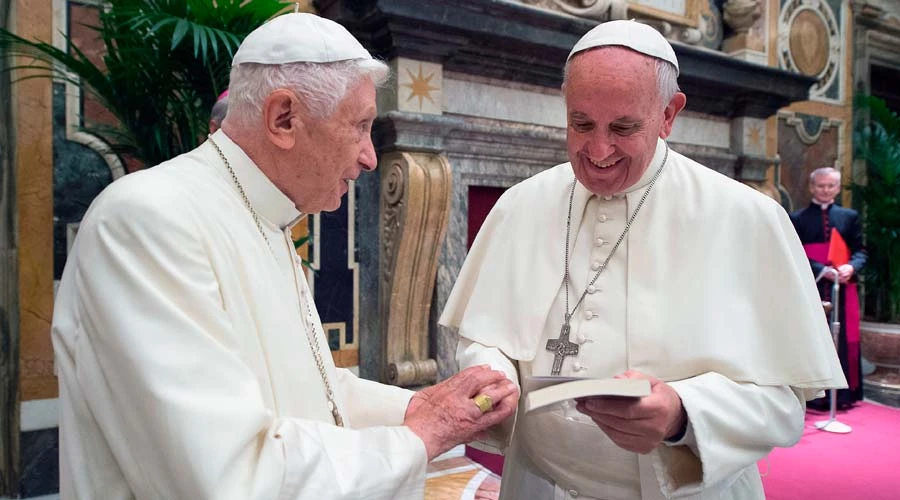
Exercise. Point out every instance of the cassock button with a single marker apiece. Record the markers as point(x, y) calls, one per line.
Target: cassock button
point(592, 289)
point(589, 314)
point(595, 265)
point(600, 242)
point(578, 366)
point(602, 218)
point(573, 493)
point(607, 197)
point(580, 339)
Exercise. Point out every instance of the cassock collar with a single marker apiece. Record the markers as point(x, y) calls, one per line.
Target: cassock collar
point(823, 206)
point(268, 201)
point(582, 192)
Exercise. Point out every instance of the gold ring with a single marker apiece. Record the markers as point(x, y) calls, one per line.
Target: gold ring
point(483, 402)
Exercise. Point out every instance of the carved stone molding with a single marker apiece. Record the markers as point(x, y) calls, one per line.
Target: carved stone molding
point(810, 42)
point(741, 14)
point(598, 10)
point(809, 128)
point(415, 209)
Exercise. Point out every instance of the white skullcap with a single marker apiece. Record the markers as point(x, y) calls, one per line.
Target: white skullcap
point(299, 37)
point(630, 34)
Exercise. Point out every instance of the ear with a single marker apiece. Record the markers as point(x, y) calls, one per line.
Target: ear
point(282, 117)
point(676, 104)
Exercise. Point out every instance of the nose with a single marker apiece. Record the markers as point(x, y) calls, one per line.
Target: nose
point(599, 146)
point(367, 157)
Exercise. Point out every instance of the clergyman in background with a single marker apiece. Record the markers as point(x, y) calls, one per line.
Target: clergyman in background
point(833, 240)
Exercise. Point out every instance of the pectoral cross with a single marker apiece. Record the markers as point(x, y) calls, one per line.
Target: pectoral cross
point(562, 347)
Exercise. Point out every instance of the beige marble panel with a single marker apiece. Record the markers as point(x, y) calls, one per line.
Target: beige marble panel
point(748, 136)
point(701, 130)
point(32, 105)
point(474, 98)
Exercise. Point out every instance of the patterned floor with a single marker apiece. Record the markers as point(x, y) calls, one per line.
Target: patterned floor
point(452, 476)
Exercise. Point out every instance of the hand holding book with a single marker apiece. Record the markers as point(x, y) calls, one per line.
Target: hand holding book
point(638, 424)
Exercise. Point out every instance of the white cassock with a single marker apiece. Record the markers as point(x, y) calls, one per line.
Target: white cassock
point(709, 291)
point(185, 369)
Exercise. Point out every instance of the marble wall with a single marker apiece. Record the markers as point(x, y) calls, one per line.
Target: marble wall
point(805, 143)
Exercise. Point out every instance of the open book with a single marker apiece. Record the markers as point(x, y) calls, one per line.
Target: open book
point(545, 391)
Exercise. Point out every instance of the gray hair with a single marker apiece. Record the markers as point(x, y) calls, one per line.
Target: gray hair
point(219, 110)
point(824, 171)
point(666, 79)
point(321, 86)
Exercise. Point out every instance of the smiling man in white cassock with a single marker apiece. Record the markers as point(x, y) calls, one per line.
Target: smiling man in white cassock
point(192, 364)
point(655, 267)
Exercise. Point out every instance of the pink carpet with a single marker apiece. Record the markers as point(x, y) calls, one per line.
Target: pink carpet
point(861, 465)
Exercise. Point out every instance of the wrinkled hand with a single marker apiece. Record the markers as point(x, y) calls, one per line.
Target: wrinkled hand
point(845, 272)
point(444, 414)
point(638, 425)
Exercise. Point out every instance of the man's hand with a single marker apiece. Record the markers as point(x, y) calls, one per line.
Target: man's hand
point(845, 272)
point(638, 425)
point(444, 415)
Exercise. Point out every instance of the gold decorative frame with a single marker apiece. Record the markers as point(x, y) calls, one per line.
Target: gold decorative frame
point(691, 18)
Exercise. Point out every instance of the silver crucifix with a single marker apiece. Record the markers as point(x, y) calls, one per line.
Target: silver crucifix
point(562, 347)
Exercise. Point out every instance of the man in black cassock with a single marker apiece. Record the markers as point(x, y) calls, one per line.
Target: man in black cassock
point(814, 225)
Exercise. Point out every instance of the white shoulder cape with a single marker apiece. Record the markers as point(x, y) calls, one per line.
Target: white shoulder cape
point(717, 280)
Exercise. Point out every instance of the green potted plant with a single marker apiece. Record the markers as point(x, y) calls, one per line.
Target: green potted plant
point(165, 63)
point(877, 143)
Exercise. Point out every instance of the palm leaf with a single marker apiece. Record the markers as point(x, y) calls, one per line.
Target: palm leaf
point(877, 142)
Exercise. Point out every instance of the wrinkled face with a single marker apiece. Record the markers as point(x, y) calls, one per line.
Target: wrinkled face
point(614, 117)
point(332, 151)
point(825, 188)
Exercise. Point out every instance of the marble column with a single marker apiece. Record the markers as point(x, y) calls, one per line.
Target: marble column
point(402, 222)
point(9, 304)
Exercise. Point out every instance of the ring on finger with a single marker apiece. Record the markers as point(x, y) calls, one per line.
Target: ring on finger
point(483, 402)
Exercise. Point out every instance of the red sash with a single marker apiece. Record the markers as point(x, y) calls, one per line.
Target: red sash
point(819, 253)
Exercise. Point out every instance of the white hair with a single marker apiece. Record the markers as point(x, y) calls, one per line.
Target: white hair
point(824, 171)
point(666, 79)
point(321, 86)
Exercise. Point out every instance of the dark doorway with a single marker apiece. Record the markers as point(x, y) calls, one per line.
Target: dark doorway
point(883, 82)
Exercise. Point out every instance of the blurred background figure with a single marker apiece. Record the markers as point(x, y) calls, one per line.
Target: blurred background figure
point(832, 237)
point(219, 110)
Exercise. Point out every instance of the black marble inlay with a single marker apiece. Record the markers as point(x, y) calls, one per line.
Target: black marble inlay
point(334, 338)
point(333, 277)
point(40, 463)
point(79, 174)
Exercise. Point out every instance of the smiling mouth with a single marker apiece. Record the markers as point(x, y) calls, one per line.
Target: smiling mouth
point(603, 164)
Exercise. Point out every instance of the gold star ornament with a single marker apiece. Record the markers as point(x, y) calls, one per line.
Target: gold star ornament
point(420, 86)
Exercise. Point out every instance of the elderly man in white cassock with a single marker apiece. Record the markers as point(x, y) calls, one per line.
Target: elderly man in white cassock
point(643, 264)
point(191, 359)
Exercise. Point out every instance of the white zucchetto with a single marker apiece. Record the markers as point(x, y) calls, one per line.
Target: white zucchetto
point(630, 34)
point(299, 37)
